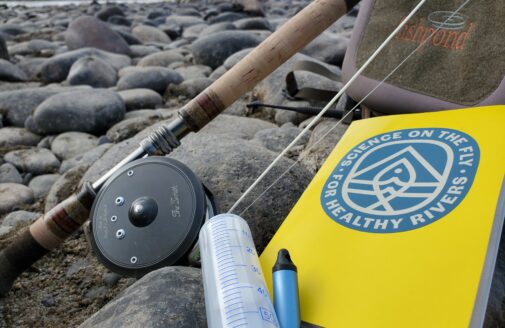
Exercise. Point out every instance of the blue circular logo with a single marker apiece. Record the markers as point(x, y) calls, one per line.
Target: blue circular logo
point(401, 180)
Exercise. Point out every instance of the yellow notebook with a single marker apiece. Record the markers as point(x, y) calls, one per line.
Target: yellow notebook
point(401, 225)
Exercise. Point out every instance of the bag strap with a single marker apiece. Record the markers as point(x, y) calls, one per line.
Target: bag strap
point(292, 91)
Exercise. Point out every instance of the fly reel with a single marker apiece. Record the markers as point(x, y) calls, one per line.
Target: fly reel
point(148, 215)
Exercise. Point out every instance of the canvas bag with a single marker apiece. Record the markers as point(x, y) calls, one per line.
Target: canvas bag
point(462, 65)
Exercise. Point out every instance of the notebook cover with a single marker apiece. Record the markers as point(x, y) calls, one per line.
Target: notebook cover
point(395, 228)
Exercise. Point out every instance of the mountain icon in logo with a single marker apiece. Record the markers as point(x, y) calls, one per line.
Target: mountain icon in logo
point(400, 183)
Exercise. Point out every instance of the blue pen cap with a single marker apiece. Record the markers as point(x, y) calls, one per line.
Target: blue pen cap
point(285, 288)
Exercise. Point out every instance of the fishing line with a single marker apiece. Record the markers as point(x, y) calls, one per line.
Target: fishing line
point(332, 101)
point(268, 169)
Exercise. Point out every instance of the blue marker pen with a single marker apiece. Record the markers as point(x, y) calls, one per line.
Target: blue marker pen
point(285, 283)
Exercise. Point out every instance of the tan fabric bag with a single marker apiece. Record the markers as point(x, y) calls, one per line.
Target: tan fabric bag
point(462, 65)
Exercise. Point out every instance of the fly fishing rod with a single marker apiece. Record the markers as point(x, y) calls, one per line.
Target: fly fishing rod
point(53, 228)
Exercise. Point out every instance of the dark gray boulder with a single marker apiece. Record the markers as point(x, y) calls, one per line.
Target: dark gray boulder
point(154, 78)
point(11, 73)
point(4, 53)
point(327, 47)
point(168, 297)
point(88, 31)
point(255, 23)
point(226, 17)
point(107, 12)
point(56, 68)
point(33, 160)
point(277, 139)
point(18, 105)
point(212, 50)
point(92, 71)
point(92, 111)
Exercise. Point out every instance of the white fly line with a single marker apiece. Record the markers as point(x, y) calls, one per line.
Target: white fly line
point(334, 99)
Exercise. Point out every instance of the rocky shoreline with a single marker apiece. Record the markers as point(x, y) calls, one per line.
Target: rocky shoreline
point(81, 85)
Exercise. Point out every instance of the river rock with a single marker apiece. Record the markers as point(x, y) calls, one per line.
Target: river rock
point(69, 144)
point(168, 297)
point(205, 51)
point(141, 51)
point(119, 20)
point(279, 138)
point(9, 173)
point(154, 78)
point(92, 71)
point(251, 7)
point(31, 67)
point(255, 23)
point(194, 71)
point(327, 47)
point(162, 59)
point(56, 69)
point(228, 165)
point(140, 99)
point(86, 158)
point(192, 32)
point(320, 145)
point(218, 27)
point(14, 218)
point(10, 72)
point(236, 57)
point(4, 53)
point(13, 195)
point(243, 128)
point(226, 17)
point(34, 160)
point(32, 48)
point(88, 31)
point(105, 13)
point(64, 187)
point(14, 137)
point(92, 111)
point(183, 21)
point(190, 88)
point(17, 105)
point(42, 184)
point(130, 127)
point(148, 34)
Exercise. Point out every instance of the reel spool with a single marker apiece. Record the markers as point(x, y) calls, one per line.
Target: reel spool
point(148, 215)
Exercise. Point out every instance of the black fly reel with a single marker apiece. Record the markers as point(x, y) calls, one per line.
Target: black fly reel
point(148, 215)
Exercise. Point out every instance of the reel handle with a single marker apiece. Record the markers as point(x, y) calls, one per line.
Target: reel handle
point(45, 234)
point(292, 36)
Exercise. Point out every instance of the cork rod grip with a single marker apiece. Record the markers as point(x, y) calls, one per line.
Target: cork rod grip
point(264, 59)
point(47, 233)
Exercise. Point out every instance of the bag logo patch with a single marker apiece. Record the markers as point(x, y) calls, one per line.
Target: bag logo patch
point(453, 33)
point(401, 180)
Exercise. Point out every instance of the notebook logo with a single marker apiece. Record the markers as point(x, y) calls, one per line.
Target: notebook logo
point(401, 180)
